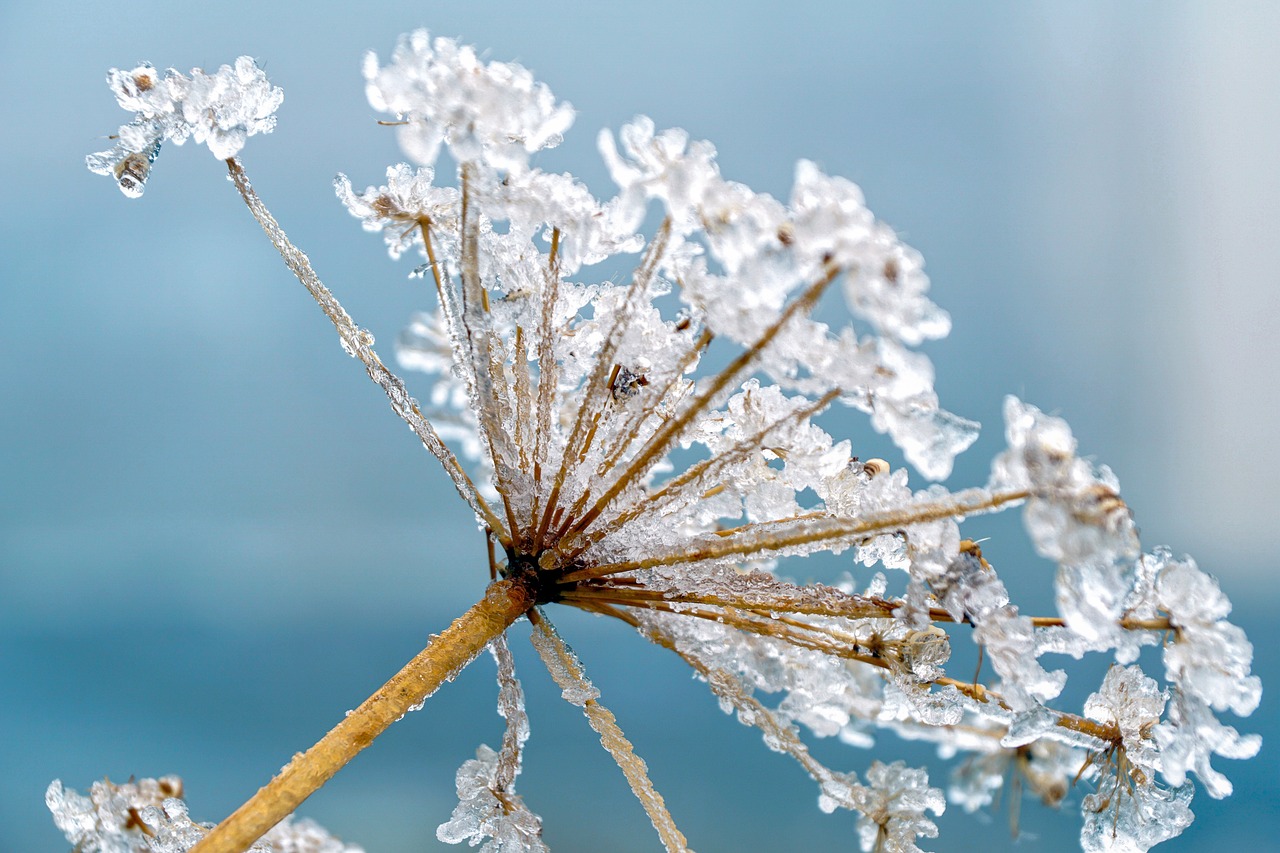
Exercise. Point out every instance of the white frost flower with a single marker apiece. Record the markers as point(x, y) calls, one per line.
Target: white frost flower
point(1209, 658)
point(493, 111)
point(498, 819)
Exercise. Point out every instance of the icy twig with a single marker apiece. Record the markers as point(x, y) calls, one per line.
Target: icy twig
point(567, 671)
point(358, 343)
point(670, 431)
point(809, 530)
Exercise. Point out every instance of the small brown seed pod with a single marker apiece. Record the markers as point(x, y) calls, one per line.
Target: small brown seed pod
point(875, 467)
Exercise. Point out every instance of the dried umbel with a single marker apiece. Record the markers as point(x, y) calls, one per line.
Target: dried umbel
point(648, 449)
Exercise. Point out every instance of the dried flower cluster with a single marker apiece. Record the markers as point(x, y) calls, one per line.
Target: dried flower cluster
point(648, 450)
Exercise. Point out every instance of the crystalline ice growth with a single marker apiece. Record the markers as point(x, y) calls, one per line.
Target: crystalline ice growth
point(149, 816)
point(500, 820)
point(893, 813)
point(407, 201)
point(109, 819)
point(1074, 514)
point(1210, 658)
point(222, 109)
point(1120, 820)
point(495, 111)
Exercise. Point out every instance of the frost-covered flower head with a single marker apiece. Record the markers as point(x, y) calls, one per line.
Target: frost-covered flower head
point(220, 110)
point(445, 94)
point(649, 446)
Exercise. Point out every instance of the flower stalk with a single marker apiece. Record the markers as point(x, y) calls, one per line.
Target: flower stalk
point(447, 653)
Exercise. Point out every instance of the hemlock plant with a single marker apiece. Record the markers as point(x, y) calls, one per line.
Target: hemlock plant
point(558, 404)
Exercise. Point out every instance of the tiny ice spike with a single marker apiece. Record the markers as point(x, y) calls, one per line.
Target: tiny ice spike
point(614, 468)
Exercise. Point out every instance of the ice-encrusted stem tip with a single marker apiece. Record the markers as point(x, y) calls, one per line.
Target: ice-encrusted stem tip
point(446, 654)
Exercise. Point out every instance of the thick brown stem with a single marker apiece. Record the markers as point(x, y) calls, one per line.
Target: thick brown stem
point(444, 656)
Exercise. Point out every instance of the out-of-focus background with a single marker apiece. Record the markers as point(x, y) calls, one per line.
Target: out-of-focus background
point(215, 537)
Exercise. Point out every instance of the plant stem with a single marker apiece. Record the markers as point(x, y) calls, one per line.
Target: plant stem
point(446, 654)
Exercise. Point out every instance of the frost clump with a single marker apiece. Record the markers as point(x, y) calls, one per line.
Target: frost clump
point(149, 816)
point(486, 813)
point(220, 110)
point(894, 815)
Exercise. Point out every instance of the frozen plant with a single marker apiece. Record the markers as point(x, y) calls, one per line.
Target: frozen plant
point(568, 395)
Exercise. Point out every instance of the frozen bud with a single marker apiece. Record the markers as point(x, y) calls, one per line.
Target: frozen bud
point(1210, 658)
point(1120, 818)
point(407, 203)
point(884, 279)
point(227, 107)
point(486, 813)
point(664, 166)
point(149, 816)
point(1131, 702)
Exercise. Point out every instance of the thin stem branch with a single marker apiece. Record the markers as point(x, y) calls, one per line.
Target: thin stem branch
point(596, 391)
point(446, 654)
point(812, 531)
point(358, 343)
point(569, 674)
point(671, 431)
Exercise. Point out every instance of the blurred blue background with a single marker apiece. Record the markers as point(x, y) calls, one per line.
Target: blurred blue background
point(215, 538)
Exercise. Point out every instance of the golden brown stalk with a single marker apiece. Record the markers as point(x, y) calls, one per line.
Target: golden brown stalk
point(503, 603)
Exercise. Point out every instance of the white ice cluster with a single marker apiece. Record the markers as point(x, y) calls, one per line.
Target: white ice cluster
point(648, 447)
point(489, 811)
point(220, 110)
point(445, 94)
point(150, 816)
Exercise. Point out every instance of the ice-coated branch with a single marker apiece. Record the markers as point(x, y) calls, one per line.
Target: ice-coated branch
point(358, 343)
point(446, 654)
point(568, 673)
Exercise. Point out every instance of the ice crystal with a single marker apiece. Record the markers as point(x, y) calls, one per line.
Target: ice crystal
point(149, 816)
point(1210, 658)
point(651, 447)
point(447, 95)
point(489, 810)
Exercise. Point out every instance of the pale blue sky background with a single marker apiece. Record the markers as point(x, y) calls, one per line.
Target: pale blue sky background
point(214, 536)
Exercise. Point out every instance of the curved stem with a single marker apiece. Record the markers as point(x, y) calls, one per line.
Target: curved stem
point(446, 654)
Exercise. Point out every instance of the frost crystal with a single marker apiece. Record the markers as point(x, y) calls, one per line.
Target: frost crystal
point(486, 813)
point(1210, 658)
point(149, 816)
point(651, 446)
point(1074, 513)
